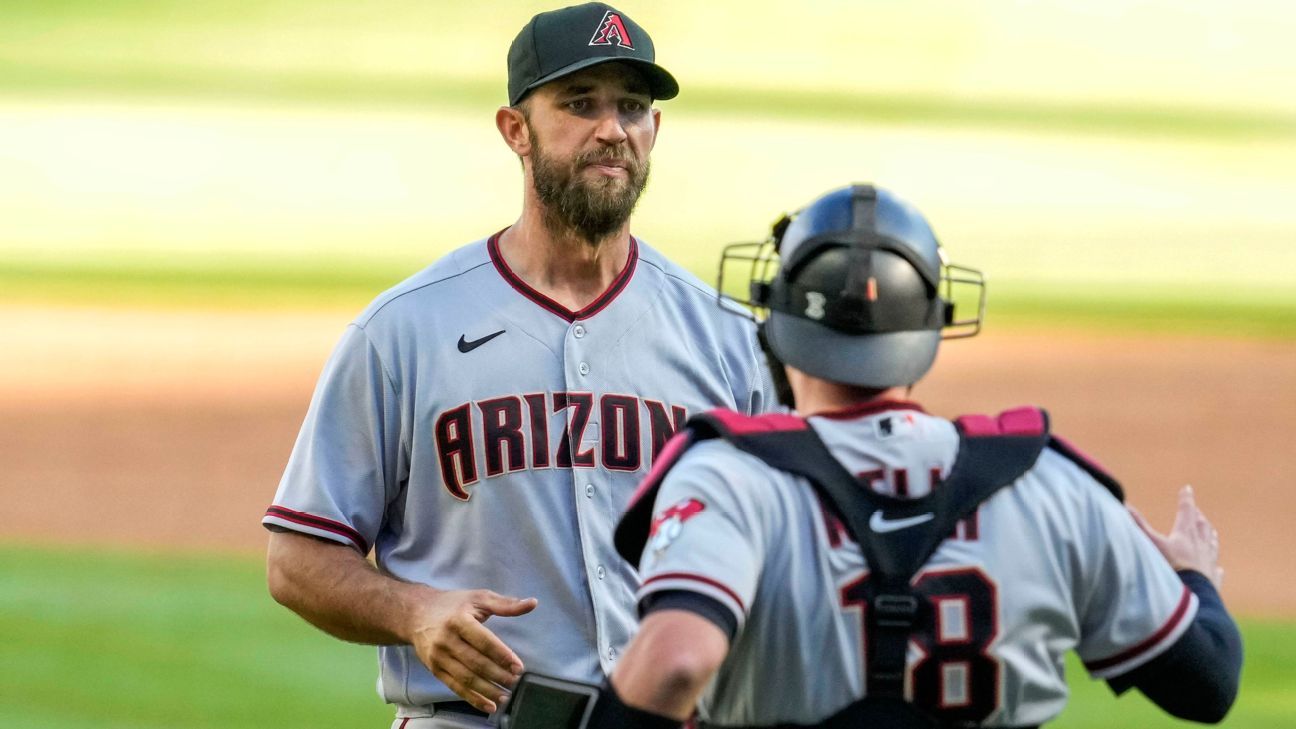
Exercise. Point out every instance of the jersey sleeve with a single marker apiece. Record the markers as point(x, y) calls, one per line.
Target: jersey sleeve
point(348, 461)
point(1131, 604)
point(709, 531)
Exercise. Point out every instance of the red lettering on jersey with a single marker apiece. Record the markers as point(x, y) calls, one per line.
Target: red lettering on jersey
point(897, 485)
point(900, 482)
point(538, 411)
point(969, 529)
point(611, 30)
point(502, 434)
point(871, 478)
point(454, 440)
point(955, 643)
point(505, 429)
point(619, 419)
point(663, 426)
point(581, 403)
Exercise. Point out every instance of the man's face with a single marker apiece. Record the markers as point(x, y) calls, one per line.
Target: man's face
point(591, 134)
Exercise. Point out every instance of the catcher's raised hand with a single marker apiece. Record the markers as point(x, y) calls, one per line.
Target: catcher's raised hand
point(1192, 544)
point(467, 657)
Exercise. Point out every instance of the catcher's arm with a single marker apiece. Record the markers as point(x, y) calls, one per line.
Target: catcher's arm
point(669, 663)
point(1197, 677)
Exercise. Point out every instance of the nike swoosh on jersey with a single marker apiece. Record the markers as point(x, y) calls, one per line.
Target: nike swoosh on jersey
point(466, 346)
point(882, 525)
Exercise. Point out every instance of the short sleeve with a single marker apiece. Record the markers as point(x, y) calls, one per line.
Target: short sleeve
point(709, 530)
point(1132, 606)
point(348, 462)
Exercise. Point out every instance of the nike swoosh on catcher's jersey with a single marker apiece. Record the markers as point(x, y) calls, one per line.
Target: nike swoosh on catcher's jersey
point(882, 525)
point(467, 347)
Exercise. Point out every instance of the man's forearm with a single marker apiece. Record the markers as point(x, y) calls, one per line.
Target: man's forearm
point(669, 663)
point(1196, 678)
point(338, 591)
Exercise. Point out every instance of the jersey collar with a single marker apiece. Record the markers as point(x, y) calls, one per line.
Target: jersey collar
point(865, 409)
point(594, 307)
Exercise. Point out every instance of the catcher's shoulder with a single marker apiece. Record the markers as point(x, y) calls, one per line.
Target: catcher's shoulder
point(1033, 422)
point(726, 423)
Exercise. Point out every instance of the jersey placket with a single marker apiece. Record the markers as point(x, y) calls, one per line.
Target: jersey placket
point(590, 491)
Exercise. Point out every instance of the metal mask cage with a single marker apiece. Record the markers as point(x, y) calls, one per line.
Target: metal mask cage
point(955, 275)
point(756, 265)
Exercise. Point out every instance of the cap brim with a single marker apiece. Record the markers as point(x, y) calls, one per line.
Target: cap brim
point(661, 85)
point(892, 359)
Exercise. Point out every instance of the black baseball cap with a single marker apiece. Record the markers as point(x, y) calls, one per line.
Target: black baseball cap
point(560, 42)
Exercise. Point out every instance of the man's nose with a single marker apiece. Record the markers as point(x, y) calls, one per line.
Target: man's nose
point(610, 130)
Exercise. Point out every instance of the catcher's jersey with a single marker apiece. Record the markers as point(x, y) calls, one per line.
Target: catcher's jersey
point(1049, 564)
point(477, 434)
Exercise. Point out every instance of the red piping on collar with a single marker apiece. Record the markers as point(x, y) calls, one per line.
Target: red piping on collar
point(850, 412)
point(594, 307)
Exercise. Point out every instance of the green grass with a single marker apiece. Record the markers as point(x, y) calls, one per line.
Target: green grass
point(341, 284)
point(1265, 700)
point(104, 639)
point(202, 284)
point(389, 91)
point(398, 53)
point(107, 639)
point(1174, 310)
point(830, 124)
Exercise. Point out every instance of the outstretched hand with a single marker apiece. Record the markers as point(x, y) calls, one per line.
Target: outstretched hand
point(451, 641)
point(1192, 544)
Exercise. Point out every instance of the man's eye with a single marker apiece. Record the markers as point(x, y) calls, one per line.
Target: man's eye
point(632, 107)
point(578, 105)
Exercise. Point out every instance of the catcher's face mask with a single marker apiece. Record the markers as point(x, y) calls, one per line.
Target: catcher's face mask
point(854, 288)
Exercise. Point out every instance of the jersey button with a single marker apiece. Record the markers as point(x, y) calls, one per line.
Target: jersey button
point(611, 654)
point(579, 331)
point(589, 490)
point(600, 572)
point(584, 368)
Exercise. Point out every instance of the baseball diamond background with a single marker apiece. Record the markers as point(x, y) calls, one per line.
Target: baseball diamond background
point(197, 195)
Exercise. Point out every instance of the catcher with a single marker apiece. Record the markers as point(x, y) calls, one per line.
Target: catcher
point(863, 563)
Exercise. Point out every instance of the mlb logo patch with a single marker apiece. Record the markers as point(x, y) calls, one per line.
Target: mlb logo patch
point(893, 425)
point(611, 30)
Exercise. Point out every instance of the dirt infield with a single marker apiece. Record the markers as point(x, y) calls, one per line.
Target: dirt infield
point(170, 429)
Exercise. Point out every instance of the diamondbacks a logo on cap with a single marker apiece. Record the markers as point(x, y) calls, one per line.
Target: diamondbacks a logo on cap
point(611, 30)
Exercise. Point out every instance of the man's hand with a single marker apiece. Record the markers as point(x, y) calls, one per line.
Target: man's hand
point(1192, 544)
point(451, 641)
point(334, 588)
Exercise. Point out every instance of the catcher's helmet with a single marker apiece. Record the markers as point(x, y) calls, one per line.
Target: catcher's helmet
point(857, 298)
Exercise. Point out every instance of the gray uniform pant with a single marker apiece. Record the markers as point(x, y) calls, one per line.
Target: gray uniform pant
point(442, 720)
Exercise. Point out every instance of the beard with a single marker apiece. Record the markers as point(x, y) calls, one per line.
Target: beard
point(592, 209)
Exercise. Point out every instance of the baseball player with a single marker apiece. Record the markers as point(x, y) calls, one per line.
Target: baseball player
point(864, 563)
point(481, 426)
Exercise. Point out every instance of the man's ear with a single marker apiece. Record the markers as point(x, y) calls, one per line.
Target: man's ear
point(512, 125)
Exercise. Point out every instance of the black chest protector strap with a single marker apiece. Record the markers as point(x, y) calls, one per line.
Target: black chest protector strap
point(897, 536)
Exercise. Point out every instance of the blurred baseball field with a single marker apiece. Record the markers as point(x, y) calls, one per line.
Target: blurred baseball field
point(197, 195)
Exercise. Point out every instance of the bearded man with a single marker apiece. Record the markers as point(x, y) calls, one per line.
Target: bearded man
point(482, 425)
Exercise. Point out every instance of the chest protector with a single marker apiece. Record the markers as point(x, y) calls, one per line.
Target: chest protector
point(993, 453)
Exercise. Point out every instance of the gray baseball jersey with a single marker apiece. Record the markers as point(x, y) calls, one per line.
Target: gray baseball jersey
point(477, 434)
point(1050, 564)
